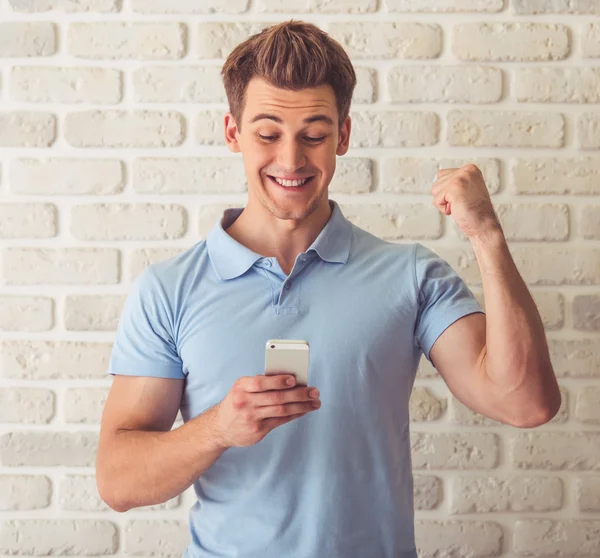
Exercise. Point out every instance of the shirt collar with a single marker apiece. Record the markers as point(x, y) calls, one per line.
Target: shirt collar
point(231, 259)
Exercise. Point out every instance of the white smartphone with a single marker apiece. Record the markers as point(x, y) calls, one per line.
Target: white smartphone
point(288, 356)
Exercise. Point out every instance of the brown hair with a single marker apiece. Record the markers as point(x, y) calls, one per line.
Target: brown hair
point(292, 55)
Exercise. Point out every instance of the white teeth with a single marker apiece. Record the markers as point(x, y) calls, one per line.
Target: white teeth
point(294, 183)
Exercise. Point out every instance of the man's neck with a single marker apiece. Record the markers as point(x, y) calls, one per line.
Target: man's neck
point(280, 238)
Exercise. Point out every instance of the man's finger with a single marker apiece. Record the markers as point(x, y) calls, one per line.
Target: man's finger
point(261, 382)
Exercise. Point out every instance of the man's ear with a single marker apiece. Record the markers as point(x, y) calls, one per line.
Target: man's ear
point(344, 139)
point(231, 134)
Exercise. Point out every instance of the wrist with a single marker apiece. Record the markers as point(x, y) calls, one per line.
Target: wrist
point(216, 437)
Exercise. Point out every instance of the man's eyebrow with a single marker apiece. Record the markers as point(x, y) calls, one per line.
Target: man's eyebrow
point(309, 120)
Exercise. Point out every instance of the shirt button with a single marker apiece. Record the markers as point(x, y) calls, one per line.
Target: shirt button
point(268, 263)
point(288, 286)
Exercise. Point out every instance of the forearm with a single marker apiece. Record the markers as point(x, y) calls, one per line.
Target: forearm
point(147, 468)
point(517, 360)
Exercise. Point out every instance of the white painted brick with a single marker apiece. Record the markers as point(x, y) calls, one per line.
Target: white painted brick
point(142, 258)
point(427, 492)
point(209, 214)
point(156, 538)
point(179, 84)
point(366, 85)
point(346, 7)
point(586, 313)
point(149, 221)
point(463, 261)
point(475, 539)
point(464, 416)
point(27, 129)
point(54, 360)
point(93, 312)
point(588, 130)
point(575, 358)
point(537, 450)
point(474, 450)
point(555, 7)
point(551, 306)
point(505, 129)
point(210, 127)
point(80, 493)
point(62, 537)
point(538, 537)
point(425, 406)
point(404, 40)
point(503, 41)
point(113, 128)
point(589, 227)
point(394, 129)
point(66, 5)
point(26, 313)
point(588, 405)
point(588, 494)
point(21, 39)
point(201, 175)
point(444, 84)
point(352, 176)
point(544, 265)
point(395, 221)
point(444, 5)
point(317, 6)
point(283, 6)
point(66, 176)
point(218, 39)
point(84, 405)
point(60, 266)
point(426, 369)
point(24, 492)
point(127, 40)
point(410, 175)
point(590, 40)
point(189, 6)
point(557, 85)
point(510, 494)
point(28, 220)
point(44, 448)
point(547, 222)
point(26, 405)
point(572, 175)
point(65, 85)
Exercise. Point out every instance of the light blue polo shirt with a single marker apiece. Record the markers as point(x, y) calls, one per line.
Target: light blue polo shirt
point(336, 483)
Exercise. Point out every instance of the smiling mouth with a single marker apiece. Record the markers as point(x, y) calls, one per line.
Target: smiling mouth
point(291, 183)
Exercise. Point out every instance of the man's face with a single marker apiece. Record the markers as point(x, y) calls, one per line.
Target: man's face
point(289, 142)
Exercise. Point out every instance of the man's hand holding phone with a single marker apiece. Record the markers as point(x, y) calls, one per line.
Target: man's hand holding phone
point(256, 405)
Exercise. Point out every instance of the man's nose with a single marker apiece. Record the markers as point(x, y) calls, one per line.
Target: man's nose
point(291, 156)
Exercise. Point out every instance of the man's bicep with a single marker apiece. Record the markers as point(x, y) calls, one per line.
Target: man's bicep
point(142, 403)
point(458, 354)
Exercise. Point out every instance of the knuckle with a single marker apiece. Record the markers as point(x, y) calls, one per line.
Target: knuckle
point(255, 383)
point(238, 401)
point(280, 410)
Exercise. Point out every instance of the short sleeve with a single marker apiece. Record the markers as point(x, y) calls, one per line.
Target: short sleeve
point(443, 298)
point(144, 344)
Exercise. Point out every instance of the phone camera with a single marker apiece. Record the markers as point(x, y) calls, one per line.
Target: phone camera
point(272, 346)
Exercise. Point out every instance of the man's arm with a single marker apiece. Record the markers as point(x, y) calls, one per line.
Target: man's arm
point(499, 366)
point(140, 460)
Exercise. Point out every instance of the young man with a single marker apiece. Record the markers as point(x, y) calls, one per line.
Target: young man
point(321, 471)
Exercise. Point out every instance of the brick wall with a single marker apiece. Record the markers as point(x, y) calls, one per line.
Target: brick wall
point(112, 157)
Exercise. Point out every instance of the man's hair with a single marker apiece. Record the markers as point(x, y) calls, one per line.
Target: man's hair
point(293, 55)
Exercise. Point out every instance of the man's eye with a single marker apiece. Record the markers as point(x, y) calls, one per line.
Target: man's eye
point(267, 138)
point(315, 139)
